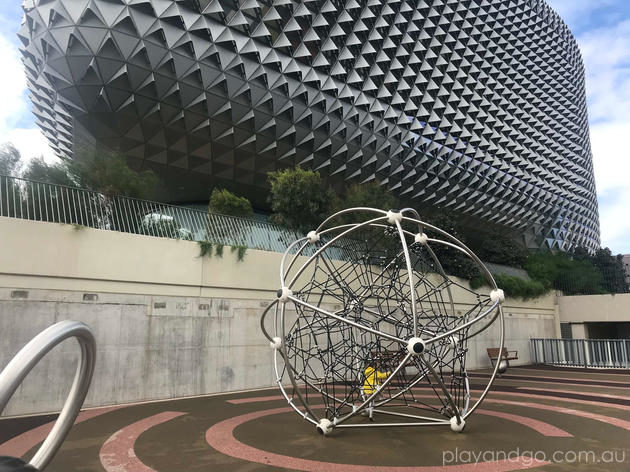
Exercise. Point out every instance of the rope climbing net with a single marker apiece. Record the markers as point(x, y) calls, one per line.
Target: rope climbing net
point(369, 330)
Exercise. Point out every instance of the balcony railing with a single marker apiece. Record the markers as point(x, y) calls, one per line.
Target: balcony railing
point(600, 353)
point(39, 201)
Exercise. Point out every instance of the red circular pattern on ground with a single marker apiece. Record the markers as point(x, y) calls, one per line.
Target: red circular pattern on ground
point(221, 437)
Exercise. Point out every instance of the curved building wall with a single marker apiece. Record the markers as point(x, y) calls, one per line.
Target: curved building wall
point(475, 105)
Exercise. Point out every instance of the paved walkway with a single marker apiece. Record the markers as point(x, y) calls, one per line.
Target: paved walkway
point(542, 419)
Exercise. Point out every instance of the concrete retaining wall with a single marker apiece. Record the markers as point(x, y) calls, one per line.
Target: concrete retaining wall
point(168, 323)
point(149, 347)
point(595, 308)
point(588, 314)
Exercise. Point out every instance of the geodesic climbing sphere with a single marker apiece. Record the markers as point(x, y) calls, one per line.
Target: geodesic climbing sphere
point(369, 330)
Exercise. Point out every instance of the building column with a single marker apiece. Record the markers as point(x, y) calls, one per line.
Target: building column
point(579, 330)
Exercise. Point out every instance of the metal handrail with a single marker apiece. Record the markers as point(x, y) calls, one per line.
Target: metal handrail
point(24, 361)
point(41, 201)
point(597, 353)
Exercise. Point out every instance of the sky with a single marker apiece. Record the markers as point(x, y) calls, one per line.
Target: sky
point(601, 27)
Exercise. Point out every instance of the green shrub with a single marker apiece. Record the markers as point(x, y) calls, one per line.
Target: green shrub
point(205, 248)
point(542, 267)
point(575, 273)
point(224, 202)
point(240, 251)
point(513, 286)
point(299, 199)
point(561, 272)
point(218, 250)
point(498, 247)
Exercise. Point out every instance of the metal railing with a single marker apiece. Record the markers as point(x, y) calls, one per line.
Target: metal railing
point(610, 353)
point(612, 280)
point(39, 201)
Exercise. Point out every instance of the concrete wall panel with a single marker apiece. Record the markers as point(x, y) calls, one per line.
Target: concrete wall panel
point(595, 308)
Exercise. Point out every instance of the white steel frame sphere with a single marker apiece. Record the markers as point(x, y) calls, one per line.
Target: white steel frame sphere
point(371, 303)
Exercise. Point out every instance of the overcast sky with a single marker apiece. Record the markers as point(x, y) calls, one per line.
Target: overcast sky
point(602, 28)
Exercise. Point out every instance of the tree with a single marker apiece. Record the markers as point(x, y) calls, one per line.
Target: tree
point(609, 266)
point(10, 192)
point(371, 195)
point(94, 169)
point(496, 246)
point(47, 203)
point(109, 174)
point(224, 202)
point(453, 261)
point(299, 198)
point(10, 160)
point(612, 271)
point(41, 171)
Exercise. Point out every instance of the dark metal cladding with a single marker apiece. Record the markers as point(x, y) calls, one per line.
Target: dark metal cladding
point(475, 105)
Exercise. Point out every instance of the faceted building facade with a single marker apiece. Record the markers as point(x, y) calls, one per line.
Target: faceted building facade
point(473, 105)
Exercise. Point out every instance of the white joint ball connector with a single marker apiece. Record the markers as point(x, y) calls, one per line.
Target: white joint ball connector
point(324, 426)
point(312, 237)
point(416, 346)
point(421, 238)
point(457, 427)
point(283, 294)
point(497, 296)
point(393, 217)
point(276, 343)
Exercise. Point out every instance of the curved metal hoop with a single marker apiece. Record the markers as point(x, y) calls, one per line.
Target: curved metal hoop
point(24, 361)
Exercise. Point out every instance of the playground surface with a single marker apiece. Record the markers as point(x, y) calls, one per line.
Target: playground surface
point(539, 418)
